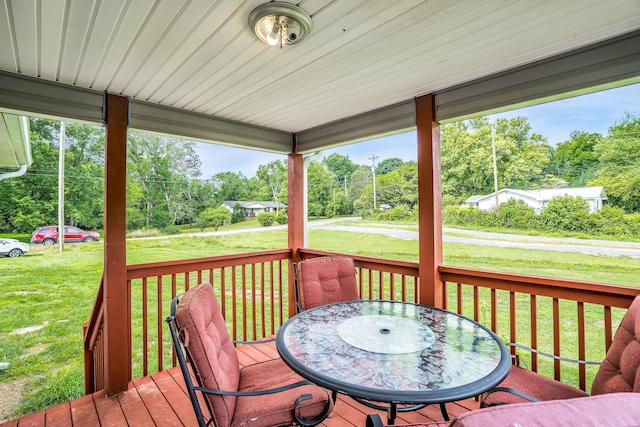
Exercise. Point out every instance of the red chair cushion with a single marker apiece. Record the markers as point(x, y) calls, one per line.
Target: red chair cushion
point(326, 280)
point(212, 353)
point(614, 409)
point(274, 409)
point(620, 369)
point(533, 384)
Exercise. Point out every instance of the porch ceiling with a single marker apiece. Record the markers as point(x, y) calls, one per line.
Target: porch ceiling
point(199, 56)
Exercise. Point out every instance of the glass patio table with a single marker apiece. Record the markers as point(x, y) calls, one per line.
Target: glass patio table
point(393, 352)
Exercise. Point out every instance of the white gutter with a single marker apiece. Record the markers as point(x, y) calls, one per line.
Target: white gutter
point(19, 172)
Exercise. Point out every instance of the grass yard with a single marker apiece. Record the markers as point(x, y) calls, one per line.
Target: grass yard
point(53, 293)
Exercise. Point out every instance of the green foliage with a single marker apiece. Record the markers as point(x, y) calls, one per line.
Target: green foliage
point(515, 214)
point(160, 219)
point(399, 213)
point(340, 166)
point(567, 213)
point(575, 159)
point(467, 159)
point(463, 215)
point(215, 217)
point(388, 165)
point(238, 213)
point(266, 218)
point(171, 229)
point(619, 156)
point(282, 218)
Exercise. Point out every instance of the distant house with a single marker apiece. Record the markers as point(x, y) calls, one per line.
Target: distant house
point(538, 199)
point(253, 208)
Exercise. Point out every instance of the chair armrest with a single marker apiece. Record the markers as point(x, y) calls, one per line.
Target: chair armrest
point(506, 390)
point(552, 356)
point(305, 422)
point(263, 341)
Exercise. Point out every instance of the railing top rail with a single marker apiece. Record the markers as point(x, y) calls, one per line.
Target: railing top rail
point(95, 321)
point(577, 290)
point(137, 271)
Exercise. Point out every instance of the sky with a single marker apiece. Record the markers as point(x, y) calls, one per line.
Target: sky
point(593, 113)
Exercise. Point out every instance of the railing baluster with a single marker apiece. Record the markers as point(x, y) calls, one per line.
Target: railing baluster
point(262, 292)
point(243, 269)
point(281, 299)
point(381, 284)
point(512, 317)
point(556, 338)
point(254, 311)
point(608, 328)
point(494, 314)
point(223, 291)
point(404, 288)
point(582, 347)
point(534, 331)
point(174, 286)
point(392, 288)
point(160, 323)
point(233, 303)
point(370, 283)
point(145, 333)
point(476, 304)
point(460, 310)
point(272, 299)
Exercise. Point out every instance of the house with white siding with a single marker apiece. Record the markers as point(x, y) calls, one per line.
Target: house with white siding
point(253, 208)
point(539, 199)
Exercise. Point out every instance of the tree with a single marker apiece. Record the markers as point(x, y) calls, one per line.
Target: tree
point(164, 168)
point(576, 159)
point(360, 179)
point(320, 185)
point(388, 165)
point(340, 166)
point(215, 217)
point(619, 156)
point(228, 186)
point(399, 187)
point(467, 160)
point(274, 175)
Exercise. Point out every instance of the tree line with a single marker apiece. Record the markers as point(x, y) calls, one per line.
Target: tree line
point(165, 186)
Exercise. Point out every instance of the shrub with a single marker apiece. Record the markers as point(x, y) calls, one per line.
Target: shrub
point(238, 213)
point(266, 218)
point(171, 229)
point(568, 213)
point(399, 213)
point(612, 221)
point(515, 214)
point(215, 217)
point(282, 218)
point(456, 215)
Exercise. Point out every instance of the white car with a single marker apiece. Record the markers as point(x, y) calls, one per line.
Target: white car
point(12, 248)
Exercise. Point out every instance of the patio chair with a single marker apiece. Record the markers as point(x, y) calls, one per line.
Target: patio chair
point(260, 395)
point(324, 280)
point(619, 372)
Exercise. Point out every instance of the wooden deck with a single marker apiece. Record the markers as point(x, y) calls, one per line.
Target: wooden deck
point(161, 400)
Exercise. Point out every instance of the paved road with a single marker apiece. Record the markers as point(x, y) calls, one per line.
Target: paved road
point(481, 238)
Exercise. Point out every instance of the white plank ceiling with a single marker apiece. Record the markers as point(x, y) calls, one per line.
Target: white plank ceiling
point(200, 55)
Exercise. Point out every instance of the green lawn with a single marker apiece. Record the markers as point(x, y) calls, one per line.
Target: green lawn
point(55, 291)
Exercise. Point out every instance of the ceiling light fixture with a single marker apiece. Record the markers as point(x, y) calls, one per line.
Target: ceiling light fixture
point(279, 23)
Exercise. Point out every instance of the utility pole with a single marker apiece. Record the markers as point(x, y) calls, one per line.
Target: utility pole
point(373, 159)
point(61, 190)
point(495, 163)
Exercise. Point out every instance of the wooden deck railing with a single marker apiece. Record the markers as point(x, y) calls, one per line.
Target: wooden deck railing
point(568, 318)
point(561, 317)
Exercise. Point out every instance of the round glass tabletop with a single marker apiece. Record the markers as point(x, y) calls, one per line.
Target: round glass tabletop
point(393, 351)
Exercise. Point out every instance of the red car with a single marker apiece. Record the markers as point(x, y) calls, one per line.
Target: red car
point(48, 235)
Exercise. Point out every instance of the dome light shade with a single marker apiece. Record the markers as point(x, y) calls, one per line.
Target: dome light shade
point(280, 23)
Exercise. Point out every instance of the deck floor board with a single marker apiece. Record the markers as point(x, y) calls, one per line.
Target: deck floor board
point(161, 399)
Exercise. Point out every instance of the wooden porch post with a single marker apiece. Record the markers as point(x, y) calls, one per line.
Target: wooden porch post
point(296, 216)
point(117, 304)
point(429, 201)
